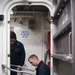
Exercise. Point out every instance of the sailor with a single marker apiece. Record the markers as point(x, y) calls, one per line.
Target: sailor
point(17, 53)
point(42, 68)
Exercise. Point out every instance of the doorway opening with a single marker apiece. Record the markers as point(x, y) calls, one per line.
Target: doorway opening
point(31, 23)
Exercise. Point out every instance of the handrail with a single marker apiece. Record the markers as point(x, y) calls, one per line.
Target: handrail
point(4, 66)
point(22, 67)
point(70, 43)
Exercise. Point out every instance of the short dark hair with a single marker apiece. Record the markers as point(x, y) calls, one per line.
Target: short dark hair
point(12, 35)
point(32, 56)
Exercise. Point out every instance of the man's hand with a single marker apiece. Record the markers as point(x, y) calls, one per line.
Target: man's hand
point(19, 68)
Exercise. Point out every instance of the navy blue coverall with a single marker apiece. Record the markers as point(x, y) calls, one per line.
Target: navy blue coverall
point(42, 69)
point(17, 55)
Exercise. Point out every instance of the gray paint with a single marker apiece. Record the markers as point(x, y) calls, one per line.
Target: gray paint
point(73, 34)
point(64, 16)
point(62, 67)
point(63, 43)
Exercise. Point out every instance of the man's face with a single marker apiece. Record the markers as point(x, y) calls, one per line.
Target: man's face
point(33, 61)
point(12, 42)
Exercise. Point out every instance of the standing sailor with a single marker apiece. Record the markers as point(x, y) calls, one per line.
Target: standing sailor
point(17, 53)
